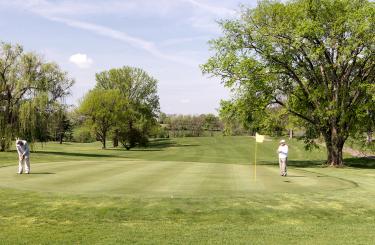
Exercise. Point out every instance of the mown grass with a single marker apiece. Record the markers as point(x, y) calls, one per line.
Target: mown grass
point(290, 216)
point(233, 150)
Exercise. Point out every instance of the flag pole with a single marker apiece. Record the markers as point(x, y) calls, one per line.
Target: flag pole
point(258, 138)
point(255, 162)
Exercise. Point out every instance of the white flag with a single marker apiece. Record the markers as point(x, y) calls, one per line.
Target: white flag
point(259, 138)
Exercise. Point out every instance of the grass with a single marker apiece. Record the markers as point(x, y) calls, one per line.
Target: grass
point(184, 191)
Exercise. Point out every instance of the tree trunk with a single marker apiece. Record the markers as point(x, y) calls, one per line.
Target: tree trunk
point(335, 144)
point(329, 148)
point(116, 138)
point(336, 159)
point(290, 133)
point(369, 137)
point(104, 137)
point(2, 144)
point(61, 138)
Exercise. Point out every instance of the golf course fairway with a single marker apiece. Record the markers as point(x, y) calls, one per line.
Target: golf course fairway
point(165, 179)
point(185, 191)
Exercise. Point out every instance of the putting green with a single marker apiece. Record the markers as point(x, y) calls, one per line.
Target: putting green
point(163, 179)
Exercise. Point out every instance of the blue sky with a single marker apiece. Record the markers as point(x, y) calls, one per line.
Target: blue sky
point(166, 38)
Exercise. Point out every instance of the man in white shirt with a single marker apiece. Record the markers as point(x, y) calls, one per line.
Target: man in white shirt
point(283, 157)
point(23, 156)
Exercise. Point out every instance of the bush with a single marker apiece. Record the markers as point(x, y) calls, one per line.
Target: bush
point(83, 135)
point(132, 138)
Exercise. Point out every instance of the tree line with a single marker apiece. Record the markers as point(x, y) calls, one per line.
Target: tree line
point(190, 125)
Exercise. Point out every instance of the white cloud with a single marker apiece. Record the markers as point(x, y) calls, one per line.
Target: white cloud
point(74, 8)
point(122, 36)
point(203, 13)
point(81, 60)
point(94, 7)
point(65, 12)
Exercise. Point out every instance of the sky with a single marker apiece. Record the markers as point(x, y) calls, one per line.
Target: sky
point(166, 38)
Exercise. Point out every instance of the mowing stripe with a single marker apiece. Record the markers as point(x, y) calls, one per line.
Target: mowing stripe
point(165, 179)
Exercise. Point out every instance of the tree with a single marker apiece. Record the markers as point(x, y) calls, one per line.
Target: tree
point(211, 123)
point(141, 109)
point(61, 124)
point(315, 58)
point(29, 87)
point(229, 117)
point(102, 109)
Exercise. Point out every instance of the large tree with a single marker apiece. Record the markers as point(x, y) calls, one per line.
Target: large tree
point(102, 109)
point(29, 89)
point(140, 112)
point(313, 57)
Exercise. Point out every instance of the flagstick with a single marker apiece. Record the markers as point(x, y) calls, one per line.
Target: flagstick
point(255, 162)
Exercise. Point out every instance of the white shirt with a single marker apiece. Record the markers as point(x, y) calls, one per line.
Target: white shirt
point(283, 151)
point(23, 150)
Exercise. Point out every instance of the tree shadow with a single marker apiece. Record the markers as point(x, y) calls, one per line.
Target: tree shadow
point(354, 162)
point(360, 162)
point(75, 154)
point(156, 145)
point(306, 163)
point(185, 145)
point(161, 143)
point(299, 163)
point(140, 149)
point(165, 143)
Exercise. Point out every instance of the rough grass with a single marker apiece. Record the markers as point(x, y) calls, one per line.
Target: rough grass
point(184, 191)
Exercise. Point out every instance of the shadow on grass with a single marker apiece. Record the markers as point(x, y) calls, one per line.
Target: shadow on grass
point(354, 162)
point(306, 164)
point(299, 164)
point(161, 143)
point(165, 143)
point(75, 154)
point(41, 173)
point(360, 162)
point(156, 145)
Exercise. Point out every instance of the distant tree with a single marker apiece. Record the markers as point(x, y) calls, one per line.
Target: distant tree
point(236, 118)
point(315, 58)
point(211, 123)
point(192, 125)
point(102, 109)
point(140, 112)
point(61, 125)
point(197, 125)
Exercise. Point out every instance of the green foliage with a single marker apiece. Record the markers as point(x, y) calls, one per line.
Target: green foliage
point(30, 90)
point(314, 58)
point(192, 125)
point(234, 119)
point(124, 105)
point(132, 137)
point(83, 134)
point(102, 109)
point(62, 126)
point(139, 90)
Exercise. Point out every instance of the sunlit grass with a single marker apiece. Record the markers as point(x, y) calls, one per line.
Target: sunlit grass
point(183, 191)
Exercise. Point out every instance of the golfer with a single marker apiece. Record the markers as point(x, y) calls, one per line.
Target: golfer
point(23, 156)
point(283, 157)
